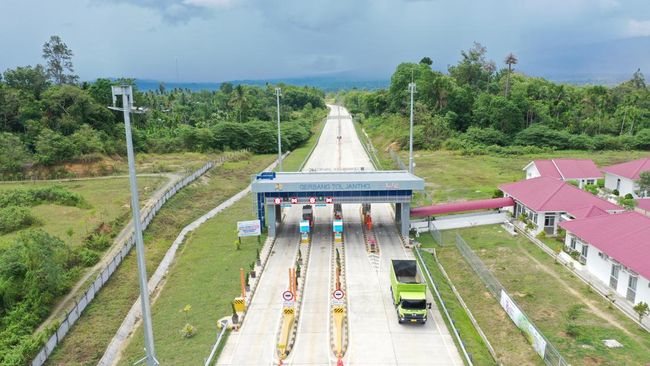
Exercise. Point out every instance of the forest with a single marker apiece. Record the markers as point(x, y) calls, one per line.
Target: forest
point(47, 117)
point(478, 108)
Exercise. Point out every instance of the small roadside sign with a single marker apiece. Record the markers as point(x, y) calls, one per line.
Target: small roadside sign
point(249, 228)
point(287, 296)
point(338, 294)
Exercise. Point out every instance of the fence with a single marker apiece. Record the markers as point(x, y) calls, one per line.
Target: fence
point(397, 159)
point(541, 344)
point(435, 233)
point(73, 315)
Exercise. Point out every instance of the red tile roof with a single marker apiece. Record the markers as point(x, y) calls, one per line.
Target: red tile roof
point(590, 211)
point(624, 237)
point(643, 203)
point(544, 194)
point(568, 168)
point(631, 169)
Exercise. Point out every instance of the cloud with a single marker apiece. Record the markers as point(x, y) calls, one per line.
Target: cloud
point(637, 28)
point(315, 16)
point(180, 11)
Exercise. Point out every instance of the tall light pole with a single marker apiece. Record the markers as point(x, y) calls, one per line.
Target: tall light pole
point(278, 94)
point(412, 90)
point(127, 107)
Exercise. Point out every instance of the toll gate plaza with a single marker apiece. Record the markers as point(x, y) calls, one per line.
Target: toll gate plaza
point(283, 189)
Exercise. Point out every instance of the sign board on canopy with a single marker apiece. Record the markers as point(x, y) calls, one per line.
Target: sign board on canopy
point(249, 228)
point(337, 226)
point(304, 226)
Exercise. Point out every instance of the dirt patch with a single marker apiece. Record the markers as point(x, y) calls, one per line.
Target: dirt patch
point(590, 360)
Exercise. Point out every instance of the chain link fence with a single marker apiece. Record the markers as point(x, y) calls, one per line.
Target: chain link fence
point(540, 343)
point(73, 315)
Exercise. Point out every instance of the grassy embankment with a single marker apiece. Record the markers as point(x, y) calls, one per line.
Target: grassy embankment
point(568, 312)
point(88, 339)
point(108, 199)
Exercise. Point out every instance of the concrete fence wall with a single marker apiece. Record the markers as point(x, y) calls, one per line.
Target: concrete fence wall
point(73, 315)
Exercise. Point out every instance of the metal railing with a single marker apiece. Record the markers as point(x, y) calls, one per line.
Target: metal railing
point(441, 302)
point(543, 347)
point(73, 315)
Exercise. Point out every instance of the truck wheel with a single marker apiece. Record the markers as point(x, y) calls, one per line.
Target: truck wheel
point(399, 319)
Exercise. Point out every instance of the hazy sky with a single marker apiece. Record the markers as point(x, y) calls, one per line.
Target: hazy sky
point(217, 40)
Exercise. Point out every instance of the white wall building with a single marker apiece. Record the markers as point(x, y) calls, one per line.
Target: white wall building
point(615, 249)
point(625, 177)
point(580, 171)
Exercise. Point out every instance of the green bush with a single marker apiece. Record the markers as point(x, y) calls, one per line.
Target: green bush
point(13, 218)
point(98, 242)
point(615, 192)
point(87, 257)
point(37, 196)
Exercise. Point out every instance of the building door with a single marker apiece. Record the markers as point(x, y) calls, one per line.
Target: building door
point(631, 288)
point(613, 277)
point(583, 253)
point(618, 184)
point(549, 224)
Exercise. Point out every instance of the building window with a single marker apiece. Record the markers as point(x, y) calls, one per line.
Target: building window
point(549, 220)
point(591, 181)
point(631, 288)
point(583, 253)
point(573, 242)
point(613, 277)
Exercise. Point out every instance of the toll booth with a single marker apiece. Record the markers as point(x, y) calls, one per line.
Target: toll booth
point(277, 190)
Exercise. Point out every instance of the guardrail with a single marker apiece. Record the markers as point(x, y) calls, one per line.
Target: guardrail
point(460, 342)
point(73, 315)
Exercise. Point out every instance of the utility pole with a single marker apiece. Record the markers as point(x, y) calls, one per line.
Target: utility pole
point(412, 90)
point(127, 107)
point(278, 94)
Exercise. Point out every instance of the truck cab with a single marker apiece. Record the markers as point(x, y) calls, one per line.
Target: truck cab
point(408, 291)
point(308, 214)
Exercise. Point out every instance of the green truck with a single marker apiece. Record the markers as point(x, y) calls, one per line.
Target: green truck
point(409, 291)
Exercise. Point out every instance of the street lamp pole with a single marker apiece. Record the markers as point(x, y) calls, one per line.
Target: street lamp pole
point(412, 90)
point(127, 105)
point(278, 94)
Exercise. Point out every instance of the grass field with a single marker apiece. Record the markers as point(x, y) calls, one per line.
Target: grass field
point(450, 176)
point(205, 275)
point(508, 342)
point(571, 315)
point(88, 339)
point(109, 199)
point(475, 346)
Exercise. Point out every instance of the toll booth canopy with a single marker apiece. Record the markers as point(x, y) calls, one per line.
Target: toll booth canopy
point(277, 190)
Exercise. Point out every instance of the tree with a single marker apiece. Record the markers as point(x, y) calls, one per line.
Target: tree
point(13, 154)
point(510, 60)
point(642, 310)
point(58, 58)
point(644, 182)
point(29, 79)
point(426, 61)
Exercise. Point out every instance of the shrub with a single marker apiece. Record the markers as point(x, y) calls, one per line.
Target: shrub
point(36, 196)
point(615, 192)
point(98, 242)
point(87, 257)
point(629, 196)
point(591, 189)
point(14, 218)
point(188, 331)
point(572, 330)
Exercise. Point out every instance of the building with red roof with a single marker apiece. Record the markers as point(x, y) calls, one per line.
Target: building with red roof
point(546, 201)
point(615, 249)
point(624, 177)
point(581, 171)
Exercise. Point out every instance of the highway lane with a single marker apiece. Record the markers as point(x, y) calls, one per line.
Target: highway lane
point(255, 343)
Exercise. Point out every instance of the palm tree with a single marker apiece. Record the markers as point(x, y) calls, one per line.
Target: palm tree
point(238, 100)
point(510, 60)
